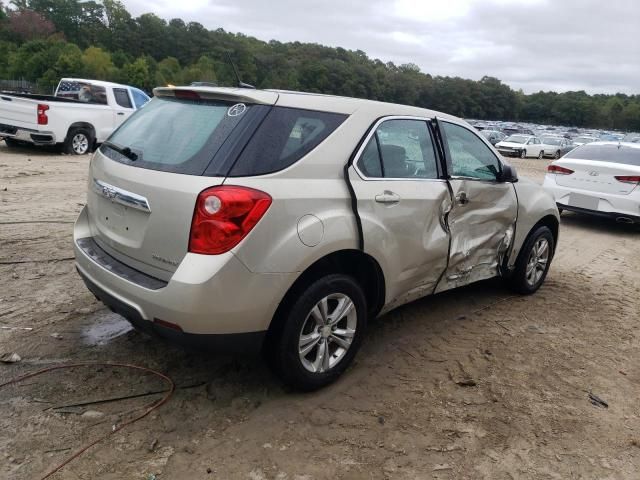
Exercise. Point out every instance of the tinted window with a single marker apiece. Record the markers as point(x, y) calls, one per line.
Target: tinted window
point(406, 149)
point(470, 156)
point(83, 92)
point(139, 97)
point(174, 135)
point(369, 162)
point(122, 97)
point(285, 136)
point(607, 153)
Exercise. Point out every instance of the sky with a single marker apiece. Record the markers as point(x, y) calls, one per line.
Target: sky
point(532, 45)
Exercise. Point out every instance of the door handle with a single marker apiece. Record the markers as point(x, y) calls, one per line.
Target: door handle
point(462, 198)
point(120, 113)
point(388, 198)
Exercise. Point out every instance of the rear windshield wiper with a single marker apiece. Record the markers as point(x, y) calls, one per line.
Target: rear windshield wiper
point(126, 151)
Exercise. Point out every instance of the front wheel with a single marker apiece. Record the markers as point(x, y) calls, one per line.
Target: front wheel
point(523, 154)
point(557, 155)
point(321, 333)
point(541, 155)
point(533, 261)
point(78, 142)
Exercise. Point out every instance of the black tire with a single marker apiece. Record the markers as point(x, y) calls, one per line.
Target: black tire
point(523, 154)
point(518, 280)
point(541, 155)
point(283, 347)
point(557, 155)
point(79, 141)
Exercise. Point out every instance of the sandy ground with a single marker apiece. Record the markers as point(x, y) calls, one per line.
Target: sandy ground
point(397, 413)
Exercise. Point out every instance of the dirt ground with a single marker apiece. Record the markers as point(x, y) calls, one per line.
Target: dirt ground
point(400, 412)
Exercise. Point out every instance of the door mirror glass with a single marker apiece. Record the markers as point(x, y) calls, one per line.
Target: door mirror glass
point(509, 174)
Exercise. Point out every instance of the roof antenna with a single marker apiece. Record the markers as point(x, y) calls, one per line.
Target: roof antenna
point(241, 84)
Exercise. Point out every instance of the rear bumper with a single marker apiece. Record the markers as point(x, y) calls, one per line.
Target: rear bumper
point(37, 137)
point(609, 205)
point(619, 217)
point(207, 295)
point(228, 343)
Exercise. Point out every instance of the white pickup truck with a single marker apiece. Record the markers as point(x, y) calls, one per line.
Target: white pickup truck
point(81, 114)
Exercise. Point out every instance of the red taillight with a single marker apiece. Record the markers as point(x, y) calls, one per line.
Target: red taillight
point(628, 178)
point(559, 170)
point(224, 216)
point(42, 114)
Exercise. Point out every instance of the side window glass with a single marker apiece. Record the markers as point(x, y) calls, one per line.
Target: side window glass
point(406, 149)
point(470, 157)
point(139, 98)
point(369, 162)
point(122, 97)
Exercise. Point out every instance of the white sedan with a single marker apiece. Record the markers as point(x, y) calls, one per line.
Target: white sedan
point(600, 178)
point(522, 146)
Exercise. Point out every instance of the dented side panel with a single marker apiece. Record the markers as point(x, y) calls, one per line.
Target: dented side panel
point(482, 225)
point(409, 237)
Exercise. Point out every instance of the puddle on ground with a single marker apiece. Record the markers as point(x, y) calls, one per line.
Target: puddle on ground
point(104, 327)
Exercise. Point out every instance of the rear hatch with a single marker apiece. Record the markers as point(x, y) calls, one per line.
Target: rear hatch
point(596, 166)
point(145, 179)
point(18, 112)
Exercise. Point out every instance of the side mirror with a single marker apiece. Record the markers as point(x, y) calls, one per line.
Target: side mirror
point(509, 174)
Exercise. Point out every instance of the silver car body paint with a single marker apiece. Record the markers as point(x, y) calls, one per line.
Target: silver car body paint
point(310, 217)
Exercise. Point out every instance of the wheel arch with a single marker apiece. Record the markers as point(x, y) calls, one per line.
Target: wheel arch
point(363, 267)
point(552, 223)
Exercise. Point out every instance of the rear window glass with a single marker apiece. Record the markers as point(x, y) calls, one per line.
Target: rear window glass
point(82, 91)
point(172, 135)
point(285, 136)
point(607, 153)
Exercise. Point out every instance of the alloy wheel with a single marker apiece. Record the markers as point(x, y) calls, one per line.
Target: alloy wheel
point(80, 144)
point(327, 333)
point(538, 261)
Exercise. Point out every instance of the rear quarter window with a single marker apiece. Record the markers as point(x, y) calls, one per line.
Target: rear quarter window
point(285, 136)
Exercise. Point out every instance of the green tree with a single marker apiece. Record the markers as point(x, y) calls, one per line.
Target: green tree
point(137, 74)
point(98, 64)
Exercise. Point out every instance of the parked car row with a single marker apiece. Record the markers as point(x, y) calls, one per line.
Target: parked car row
point(524, 146)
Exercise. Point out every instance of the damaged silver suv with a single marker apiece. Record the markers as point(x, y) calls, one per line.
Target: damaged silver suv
point(228, 217)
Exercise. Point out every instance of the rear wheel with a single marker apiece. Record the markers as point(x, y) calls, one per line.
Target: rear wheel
point(523, 154)
point(321, 333)
point(533, 261)
point(541, 155)
point(78, 142)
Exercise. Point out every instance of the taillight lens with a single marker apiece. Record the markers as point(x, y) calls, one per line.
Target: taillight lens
point(628, 178)
point(559, 170)
point(224, 216)
point(42, 114)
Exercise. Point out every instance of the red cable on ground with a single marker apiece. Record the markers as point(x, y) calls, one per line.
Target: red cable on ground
point(149, 409)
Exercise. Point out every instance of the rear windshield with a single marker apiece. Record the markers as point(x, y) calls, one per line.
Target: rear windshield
point(212, 137)
point(82, 91)
point(173, 135)
point(607, 153)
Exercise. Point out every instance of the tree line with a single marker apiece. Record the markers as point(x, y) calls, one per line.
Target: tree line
point(43, 40)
